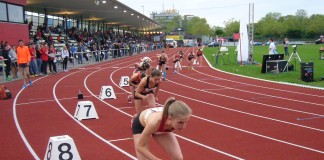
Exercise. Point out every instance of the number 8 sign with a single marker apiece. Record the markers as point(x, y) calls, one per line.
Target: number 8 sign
point(61, 148)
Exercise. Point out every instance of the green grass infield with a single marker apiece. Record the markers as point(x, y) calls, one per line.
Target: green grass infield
point(307, 53)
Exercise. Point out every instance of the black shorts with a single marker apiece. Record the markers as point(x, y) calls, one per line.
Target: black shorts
point(144, 94)
point(175, 61)
point(198, 55)
point(14, 64)
point(23, 65)
point(161, 63)
point(137, 127)
point(190, 58)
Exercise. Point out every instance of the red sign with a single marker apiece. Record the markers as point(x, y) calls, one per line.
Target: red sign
point(236, 36)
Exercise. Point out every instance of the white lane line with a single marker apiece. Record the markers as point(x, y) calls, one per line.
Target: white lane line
point(220, 89)
point(125, 107)
point(309, 118)
point(300, 146)
point(255, 115)
point(240, 99)
point(260, 135)
point(211, 148)
point(49, 100)
point(267, 95)
point(21, 133)
point(122, 139)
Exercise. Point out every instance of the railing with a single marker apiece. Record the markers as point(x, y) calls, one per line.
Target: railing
point(89, 57)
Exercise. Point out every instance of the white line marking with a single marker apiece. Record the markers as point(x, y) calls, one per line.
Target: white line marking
point(301, 119)
point(220, 89)
point(260, 135)
point(211, 148)
point(21, 133)
point(125, 107)
point(255, 115)
point(49, 100)
point(213, 84)
point(123, 139)
point(268, 105)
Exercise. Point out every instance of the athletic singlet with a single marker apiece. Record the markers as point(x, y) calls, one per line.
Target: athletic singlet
point(138, 79)
point(147, 88)
point(162, 124)
point(177, 58)
point(191, 56)
point(199, 52)
point(162, 60)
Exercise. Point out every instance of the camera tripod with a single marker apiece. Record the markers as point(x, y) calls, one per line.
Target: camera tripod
point(294, 56)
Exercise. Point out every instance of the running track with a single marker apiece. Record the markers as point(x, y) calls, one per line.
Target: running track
point(233, 117)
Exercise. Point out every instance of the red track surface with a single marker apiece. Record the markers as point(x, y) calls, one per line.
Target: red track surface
point(233, 117)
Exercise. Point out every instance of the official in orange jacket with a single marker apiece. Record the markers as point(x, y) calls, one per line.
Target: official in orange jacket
point(23, 58)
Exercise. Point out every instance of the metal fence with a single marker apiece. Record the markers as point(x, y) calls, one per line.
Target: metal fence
point(87, 57)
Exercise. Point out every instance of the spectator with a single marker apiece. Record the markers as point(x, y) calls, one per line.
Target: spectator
point(7, 60)
point(65, 57)
point(286, 44)
point(33, 69)
point(14, 64)
point(23, 57)
point(272, 47)
point(51, 58)
point(44, 56)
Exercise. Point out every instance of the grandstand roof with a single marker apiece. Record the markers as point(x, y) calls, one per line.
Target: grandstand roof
point(96, 11)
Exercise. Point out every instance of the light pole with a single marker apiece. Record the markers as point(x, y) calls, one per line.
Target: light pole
point(143, 9)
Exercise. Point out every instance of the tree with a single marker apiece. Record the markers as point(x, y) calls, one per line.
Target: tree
point(231, 26)
point(174, 24)
point(198, 26)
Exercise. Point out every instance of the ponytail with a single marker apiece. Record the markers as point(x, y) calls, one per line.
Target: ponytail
point(174, 108)
point(167, 104)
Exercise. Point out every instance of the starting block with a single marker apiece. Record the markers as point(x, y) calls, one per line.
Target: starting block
point(61, 147)
point(107, 92)
point(124, 81)
point(85, 110)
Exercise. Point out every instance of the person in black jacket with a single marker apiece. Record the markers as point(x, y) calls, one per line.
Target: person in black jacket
point(7, 60)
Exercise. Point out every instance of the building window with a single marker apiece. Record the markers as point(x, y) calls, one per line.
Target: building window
point(3, 13)
point(11, 13)
point(16, 13)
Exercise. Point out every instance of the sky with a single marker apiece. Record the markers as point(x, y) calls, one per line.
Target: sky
point(216, 12)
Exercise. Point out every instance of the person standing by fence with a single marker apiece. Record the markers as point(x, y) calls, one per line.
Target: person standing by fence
point(65, 57)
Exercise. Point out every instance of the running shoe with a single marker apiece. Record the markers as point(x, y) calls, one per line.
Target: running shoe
point(30, 83)
point(129, 98)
